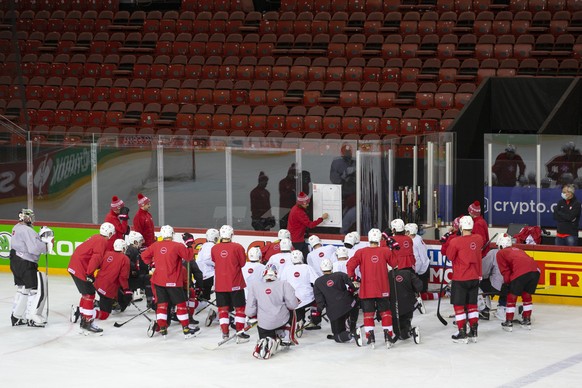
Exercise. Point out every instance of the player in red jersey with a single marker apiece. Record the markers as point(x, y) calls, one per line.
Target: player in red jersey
point(374, 287)
point(479, 225)
point(273, 248)
point(464, 252)
point(405, 255)
point(143, 221)
point(118, 216)
point(522, 274)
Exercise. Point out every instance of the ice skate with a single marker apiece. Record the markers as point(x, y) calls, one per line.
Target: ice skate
point(211, 317)
point(299, 328)
point(37, 321)
point(137, 295)
point(190, 332)
point(18, 321)
point(473, 333)
point(225, 336)
point(500, 314)
point(164, 332)
point(371, 339)
point(507, 326)
point(389, 339)
point(526, 323)
point(75, 313)
point(152, 328)
point(241, 338)
point(420, 305)
point(415, 333)
point(358, 337)
point(312, 326)
point(88, 327)
point(485, 314)
point(460, 337)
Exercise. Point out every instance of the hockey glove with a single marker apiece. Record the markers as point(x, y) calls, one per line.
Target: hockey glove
point(123, 214)
point(46, 233)
point(188, 239)
point(90, 278)
point(127, 296)
point(392, 244)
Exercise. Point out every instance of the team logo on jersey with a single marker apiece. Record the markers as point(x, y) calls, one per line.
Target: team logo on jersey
point(374, 259)
point(223, 254)
point(399, 278)
point(406, 244)
point(268, 291)
point(330, 283)
point(276, 247)
point(321, 254)
point(473, 246)
point(282, 261)
point(5, 245)
point(110, 259)
point(250, 270)
point(163, 250)
point(296, 274)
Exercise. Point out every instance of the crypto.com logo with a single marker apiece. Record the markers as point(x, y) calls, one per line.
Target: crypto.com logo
point(5, 245)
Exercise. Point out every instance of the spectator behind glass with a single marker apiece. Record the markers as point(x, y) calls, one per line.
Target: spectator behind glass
point(508, 167)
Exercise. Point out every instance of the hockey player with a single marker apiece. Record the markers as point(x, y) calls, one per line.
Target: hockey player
point(26, 246)
point(480, 225)
point(319, 252)
point(206, 265)
point(522, 274)
point(118, 216)
point(301, 277)
point(166, 257)
point(253, 269)
point(283, 258)
point(340, 265)
point(334, 292)
point(113, 274)
point(375, 288)
point(95, 246)
point(404, 285)
point(270, 249)
point(491, 284)
point(272, 302)
point(358, 244)
point(139, 277)
point(421, 267)
point(299, 222)
point(229, 258)
point(464, 252)
point(405, 254)
point(143, 221)
point(349, 243)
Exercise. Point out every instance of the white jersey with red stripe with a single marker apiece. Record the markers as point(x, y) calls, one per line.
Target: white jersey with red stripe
point(316, 256)
point(204, 260)
point(301, 277)
point(280, 260)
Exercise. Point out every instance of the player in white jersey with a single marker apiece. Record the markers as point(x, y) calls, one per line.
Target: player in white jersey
point(422, 261)
point(253, 269)
point(283, 258)
point(206, 265)
point(343, 256)
point(301, 277)
point(319, 253)
point(358, 244)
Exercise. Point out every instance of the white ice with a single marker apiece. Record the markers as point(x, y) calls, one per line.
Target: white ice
point(550, 355)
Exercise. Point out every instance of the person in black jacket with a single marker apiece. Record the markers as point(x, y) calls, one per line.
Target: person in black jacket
point(335, 292)
point(405, 284)
point(567, 216)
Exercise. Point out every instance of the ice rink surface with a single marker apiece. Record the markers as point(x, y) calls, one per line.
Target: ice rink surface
point(550, 355)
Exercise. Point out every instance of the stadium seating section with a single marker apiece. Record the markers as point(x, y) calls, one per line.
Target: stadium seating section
point(367, 69)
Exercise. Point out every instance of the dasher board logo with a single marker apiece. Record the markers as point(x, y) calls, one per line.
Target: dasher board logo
point(5, 245)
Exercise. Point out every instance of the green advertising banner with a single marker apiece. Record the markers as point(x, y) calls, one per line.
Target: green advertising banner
point(66, 240)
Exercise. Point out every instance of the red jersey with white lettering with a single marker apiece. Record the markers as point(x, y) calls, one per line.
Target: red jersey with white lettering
point(513, 262)
point(405, 255)
point(167, 257)
point(373, 263)
point(269, 250)
point(113, 273)
point(229, 259)
point(95, 246)
point(464, 252)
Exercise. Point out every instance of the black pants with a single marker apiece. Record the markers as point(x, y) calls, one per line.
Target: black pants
point(207, 287)
point(24, 271)
point(341, 325)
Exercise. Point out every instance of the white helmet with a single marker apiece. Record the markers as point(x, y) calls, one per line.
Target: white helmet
point(297, 257)
point(135, 238)
point(504, 241)
point(270, 272)
point(283, 233)
point(375, 235)
point(350, 239)
point(411, 228)
point(26, 215)
point(397, 225)
point(285, 245)
point(342, 252)
point(313, 241)
point(107, 229)
point(356, 236)
point(212, 235)
point(167, 231)
point(226, 232)
point(466, 223)
point(119, 245)
point(254, 254)
point(326, 265)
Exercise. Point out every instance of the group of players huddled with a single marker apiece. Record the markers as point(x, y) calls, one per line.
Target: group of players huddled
point(275, 287)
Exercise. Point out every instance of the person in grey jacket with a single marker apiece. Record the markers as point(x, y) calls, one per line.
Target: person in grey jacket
point(272, 302)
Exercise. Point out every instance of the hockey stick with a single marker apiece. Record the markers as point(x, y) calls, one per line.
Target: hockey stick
point(396, 301)
point(140, 310)
point(117, 324)
point(439, 316)
point(245, 329)
point(208, 304)
point(46, 275)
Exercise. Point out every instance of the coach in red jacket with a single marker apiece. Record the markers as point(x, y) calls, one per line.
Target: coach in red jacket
point(299, 222)
point(143, 221)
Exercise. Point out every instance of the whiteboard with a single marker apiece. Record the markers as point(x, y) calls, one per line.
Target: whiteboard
point(328, 199)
